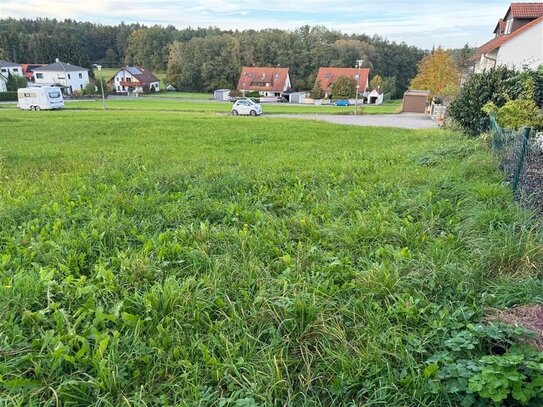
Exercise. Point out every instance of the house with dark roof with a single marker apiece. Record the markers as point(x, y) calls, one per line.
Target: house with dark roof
point(517, 42)
point(133, 79)
point(328, 75)
point(70, 78)
point(268, 81)
point(10, 68)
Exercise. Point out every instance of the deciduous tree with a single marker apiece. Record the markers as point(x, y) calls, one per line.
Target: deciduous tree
point(344, 87)
point(438, 74)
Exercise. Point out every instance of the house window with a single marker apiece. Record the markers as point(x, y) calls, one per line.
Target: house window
point(15, 69)
point(4, 70)
point(80, 76)
point(69, 77)
point(80, 86)
point(39, 76)
point(508, 26)
point(328, 75)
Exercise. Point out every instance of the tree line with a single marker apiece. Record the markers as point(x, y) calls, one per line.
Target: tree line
point(203, 59)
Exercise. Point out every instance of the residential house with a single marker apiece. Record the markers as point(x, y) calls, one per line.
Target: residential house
point(376, 96)
point(69, 77)
point(328, 75)
point(268, 81)
point(9, 68)
point(517, 42)
point(28, 70)
point(133, 79)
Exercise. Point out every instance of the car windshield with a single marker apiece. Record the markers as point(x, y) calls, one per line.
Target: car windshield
point(54, 95)
point(251, 102)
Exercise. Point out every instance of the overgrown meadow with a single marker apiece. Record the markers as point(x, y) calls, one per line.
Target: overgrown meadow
point(170, 259)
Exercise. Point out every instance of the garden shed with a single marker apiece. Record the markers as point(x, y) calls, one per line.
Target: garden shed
point(297, 97)
point(222, 95)
point(415, 101)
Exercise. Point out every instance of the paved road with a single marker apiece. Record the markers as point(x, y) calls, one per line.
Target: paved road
point(403, 120)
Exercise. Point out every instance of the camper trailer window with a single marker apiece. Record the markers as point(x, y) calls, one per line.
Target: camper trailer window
point(54, 95)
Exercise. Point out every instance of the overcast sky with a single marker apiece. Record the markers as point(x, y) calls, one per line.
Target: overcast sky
point(424, 23)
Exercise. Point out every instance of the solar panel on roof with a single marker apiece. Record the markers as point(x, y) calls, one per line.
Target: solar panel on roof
point(133, 70)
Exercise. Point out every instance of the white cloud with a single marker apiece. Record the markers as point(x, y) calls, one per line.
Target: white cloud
point(422, 23)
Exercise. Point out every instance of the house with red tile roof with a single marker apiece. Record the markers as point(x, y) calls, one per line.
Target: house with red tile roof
point(517, 42)
point(268, 81)
point(328, 75)
point(133, 79)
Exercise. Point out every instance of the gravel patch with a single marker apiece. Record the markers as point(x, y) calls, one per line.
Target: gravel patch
point(403, 120)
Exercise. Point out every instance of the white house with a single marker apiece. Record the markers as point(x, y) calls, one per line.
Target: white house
point(518, 40)
point(376, 96)
point(10, 68)
point(70, 77)
point(134, 79)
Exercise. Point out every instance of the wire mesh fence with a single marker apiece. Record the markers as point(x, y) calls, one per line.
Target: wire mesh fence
point(520, 153)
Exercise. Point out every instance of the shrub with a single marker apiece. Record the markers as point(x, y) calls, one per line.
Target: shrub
point(317, 92)
point(253, 94)
point(344, 87)
point(498, 86)
point(15, 82)
point(516, 114)
point(8, 96)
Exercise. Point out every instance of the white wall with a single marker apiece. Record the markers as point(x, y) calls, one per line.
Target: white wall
point(77, 80)
point(2, 84)
point(525, 49)
point(486, 63)
point(13, 70)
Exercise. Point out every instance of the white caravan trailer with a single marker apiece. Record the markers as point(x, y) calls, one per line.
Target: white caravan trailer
point(47, 97)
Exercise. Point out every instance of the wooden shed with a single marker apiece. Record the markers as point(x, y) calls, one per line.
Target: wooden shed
point(415, 101)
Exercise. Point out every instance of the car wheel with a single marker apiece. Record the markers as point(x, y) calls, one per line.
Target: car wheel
point(235, 112)
point(253, 113)
point(36, 108)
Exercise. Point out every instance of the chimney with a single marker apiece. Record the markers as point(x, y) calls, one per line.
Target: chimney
point(57, 60)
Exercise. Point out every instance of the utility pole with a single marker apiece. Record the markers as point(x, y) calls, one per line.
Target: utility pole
point(101, 85)
point(358, 65)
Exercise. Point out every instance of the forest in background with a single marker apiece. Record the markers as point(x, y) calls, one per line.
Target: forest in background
point(203, 59)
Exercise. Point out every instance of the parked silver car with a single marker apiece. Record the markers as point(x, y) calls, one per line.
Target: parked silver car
point(246, 107)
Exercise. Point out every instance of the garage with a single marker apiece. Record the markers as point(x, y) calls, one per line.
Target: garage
point(415, 101)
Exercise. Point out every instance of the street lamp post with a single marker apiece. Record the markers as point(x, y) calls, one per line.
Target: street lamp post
point(358, 65)
point(101, 85)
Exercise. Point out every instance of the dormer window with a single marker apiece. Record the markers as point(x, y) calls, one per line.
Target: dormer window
point(328, 75)
point(508, 26)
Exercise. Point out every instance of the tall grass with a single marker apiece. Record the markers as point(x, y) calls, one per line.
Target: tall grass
point(165, 259)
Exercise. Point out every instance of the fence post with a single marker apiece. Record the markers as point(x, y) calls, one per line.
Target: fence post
point(521, 158)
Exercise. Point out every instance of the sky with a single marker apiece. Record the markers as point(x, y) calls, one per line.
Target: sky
point(424, 23)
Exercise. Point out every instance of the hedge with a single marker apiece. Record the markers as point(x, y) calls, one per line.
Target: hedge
point(8, 96)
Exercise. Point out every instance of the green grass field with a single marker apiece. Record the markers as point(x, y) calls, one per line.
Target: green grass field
point(166, 259)
point(200, 106)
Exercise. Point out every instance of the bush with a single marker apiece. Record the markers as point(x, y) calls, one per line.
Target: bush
point(15, 82)
point(344, 87)
point(253, 94)
point(317, 92)
point(8, 96)
point(516, 114)
point(498, 86)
